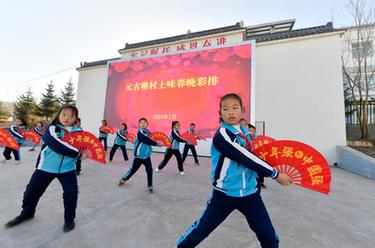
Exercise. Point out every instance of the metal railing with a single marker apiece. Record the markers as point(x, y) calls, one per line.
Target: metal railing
point(351, 114)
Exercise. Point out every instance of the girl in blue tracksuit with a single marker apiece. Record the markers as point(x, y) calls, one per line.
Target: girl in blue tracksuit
point(103, 135)
point(234, 171)
point(120, 141)
point(15, 131)
point(39, 129)
point(142, 153)
point(189, 146)
point(56, 160)
point(174, 149)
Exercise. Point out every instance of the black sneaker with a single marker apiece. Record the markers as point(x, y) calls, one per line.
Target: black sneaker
point(150, 189)
point(121, 182)
point(68, 226)
point(263, 185)
point(18, 220)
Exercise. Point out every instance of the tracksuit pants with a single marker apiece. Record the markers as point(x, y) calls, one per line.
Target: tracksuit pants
point(193, 151)
point(137, 162)
point(104, 142)
point(8, 151)
point(114, 149)
point(167, 156)
point(39, 182)
point(79, 165)
point(219, 206)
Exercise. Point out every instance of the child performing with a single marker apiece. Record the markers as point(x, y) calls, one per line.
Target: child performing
point(142, 153)
point(56, 160)
point(234, 171)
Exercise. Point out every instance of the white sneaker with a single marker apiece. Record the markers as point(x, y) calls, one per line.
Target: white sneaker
point(3, 160)
point(157, 169)
point(17, 162)
point(182, 173)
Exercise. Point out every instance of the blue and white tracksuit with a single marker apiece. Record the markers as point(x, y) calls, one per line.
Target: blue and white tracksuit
point(174, 150)
point(56, 160)
point(234, 171)
point(142, 153)
point(191, 147)
point(120, 141)
point(103, 137)
point(39, 130)
point(15, 132)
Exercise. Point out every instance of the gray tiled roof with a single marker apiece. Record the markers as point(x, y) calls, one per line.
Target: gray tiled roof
point(96, 63)
point(292, 33)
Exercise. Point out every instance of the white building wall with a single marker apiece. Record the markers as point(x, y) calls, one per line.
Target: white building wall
point(299, 92)
point(91, 93)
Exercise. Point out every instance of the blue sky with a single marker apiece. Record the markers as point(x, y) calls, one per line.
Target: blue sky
point(43, 37)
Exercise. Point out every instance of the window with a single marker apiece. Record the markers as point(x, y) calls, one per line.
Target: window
point(362, 49)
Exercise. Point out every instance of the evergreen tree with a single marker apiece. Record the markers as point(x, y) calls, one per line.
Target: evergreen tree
point(4, 114)
point(67, 95)
point(49, 103)
point(24, 107)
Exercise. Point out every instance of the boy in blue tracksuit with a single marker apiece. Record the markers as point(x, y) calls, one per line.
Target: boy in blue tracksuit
point(189, 146)
point(142, 153)
point(103, 136)
point(39, 129)
point(253, 136)
point(15, 132)
point(234, 171)
point(174, 149)
point(120, 141)
point(56, 160)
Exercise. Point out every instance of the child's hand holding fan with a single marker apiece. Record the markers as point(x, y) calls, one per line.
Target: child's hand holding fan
point(162, 138)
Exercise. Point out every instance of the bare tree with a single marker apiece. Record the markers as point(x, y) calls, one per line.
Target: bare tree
point(357, 63)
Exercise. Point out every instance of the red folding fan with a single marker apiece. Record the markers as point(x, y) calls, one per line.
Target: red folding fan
point(31, 135)
point(189, 137)
point(200, 137)
point(107, 129)
point(261, 140)
point(301, 162)
point(7, 140)
point(159, 136)
point(87, 143)
point(131, 137)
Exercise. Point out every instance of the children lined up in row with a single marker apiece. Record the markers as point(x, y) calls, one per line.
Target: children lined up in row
point(234, 172)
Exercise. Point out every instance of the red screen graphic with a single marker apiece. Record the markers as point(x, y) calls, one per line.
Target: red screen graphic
point(186, 87)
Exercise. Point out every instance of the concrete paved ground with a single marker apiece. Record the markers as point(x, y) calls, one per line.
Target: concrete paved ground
point(127, 216)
